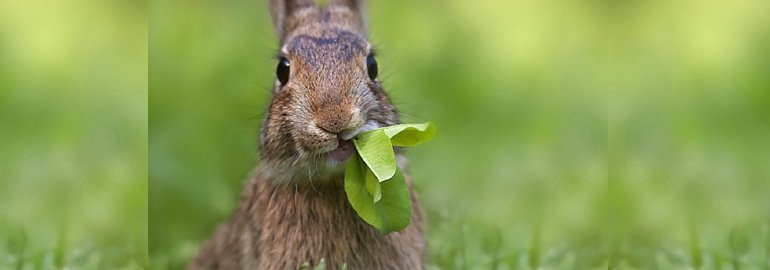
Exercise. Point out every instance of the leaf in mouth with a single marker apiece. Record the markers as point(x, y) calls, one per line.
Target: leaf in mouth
point(374, 184)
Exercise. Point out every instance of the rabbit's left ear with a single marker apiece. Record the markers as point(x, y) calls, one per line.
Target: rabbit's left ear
point(356, 6)
point(282, 13)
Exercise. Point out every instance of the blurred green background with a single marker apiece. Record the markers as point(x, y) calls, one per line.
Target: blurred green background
point(572, 134)
point(73, 134)
point(689, 140)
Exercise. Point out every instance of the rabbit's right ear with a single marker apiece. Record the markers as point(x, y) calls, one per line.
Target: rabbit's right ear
point(282, 12)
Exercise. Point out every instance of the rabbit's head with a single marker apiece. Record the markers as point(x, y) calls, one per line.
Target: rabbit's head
point(326, 90)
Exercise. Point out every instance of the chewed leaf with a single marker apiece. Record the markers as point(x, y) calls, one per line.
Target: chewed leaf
point(389, 214)
point(410, 134)
point(386, 205)
point(376, 151)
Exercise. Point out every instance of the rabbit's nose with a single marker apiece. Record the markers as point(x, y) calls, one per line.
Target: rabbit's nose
point(332, 125)
point(333, 119)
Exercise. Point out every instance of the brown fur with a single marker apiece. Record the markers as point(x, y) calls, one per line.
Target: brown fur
point(279, 226)
point(294, 209)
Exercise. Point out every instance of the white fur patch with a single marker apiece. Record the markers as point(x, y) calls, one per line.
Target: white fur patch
point(369, 125)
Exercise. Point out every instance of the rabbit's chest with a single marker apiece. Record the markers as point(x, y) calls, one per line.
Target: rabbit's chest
point(310, 223)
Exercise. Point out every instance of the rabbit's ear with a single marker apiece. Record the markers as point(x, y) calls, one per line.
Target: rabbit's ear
point(282, 12)
point(356, 6)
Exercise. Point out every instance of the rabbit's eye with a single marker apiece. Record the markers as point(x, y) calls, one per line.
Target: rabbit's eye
point(282, 71)
point(371, 67)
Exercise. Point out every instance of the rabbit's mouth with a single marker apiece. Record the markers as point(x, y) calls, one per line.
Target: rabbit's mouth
point(325, 163)
point(343, 151)
point(345, 148)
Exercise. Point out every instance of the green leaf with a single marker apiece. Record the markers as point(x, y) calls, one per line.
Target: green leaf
point(354, 173)
point(392, 212)
point(375, 149)
point(372, 184)
point(386, 205)
point(363, 172)
point(410, 134)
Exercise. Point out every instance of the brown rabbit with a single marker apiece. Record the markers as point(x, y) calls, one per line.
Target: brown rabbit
point(294, 209)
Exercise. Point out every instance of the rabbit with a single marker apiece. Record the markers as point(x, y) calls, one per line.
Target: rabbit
point(294, 209)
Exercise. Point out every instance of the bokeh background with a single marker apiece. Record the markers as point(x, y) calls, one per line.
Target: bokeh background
point(73, 134)
point(572, 134)
point(689, 134)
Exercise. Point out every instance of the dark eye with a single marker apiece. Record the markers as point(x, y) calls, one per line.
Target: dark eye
point(371, 67)
point(282, 71)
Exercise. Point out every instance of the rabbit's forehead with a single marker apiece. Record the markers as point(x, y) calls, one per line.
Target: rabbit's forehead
point(329, 46)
